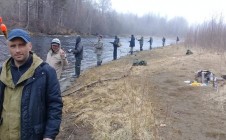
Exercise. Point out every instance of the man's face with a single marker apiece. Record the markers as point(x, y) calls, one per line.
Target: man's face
point(55, 48)
point(19, 50)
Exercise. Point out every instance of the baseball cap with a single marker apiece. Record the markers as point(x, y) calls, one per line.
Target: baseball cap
point(56, 41)
point(19, 33)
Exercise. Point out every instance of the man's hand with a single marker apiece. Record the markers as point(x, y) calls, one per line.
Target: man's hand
point(62, 54)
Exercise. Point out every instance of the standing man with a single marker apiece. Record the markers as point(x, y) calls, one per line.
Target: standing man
point(99, 50)
point(177, 40)
point(150, 41)
point(115, 45)
point(78, 52)
point(30, 100)
point(56, 57)
point(163, 41)
point(141, 41)
point(132, 44)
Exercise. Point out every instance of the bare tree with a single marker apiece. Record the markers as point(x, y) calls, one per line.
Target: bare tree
point(85, 16)
point(210, 34)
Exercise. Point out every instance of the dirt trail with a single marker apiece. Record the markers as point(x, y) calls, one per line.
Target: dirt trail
point(121, 101)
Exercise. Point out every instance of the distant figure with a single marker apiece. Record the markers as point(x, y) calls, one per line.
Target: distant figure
point(78, 52)
point(150, 41)
point(99, 50)
point(163, 41)
point(56, 57)
point(177, 40)
point(141, 41)
point(132, 44)
point(116, 44)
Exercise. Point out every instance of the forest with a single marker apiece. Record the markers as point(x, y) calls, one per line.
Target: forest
point(210, 35)
point(85, 17)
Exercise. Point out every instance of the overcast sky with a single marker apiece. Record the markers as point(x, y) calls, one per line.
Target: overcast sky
point(194, 11)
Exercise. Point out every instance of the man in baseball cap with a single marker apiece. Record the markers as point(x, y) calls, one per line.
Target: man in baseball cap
point(28, 86)
point(19, 33)
point(19, 44)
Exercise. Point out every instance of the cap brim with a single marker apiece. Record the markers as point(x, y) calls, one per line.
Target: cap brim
point(54, 43)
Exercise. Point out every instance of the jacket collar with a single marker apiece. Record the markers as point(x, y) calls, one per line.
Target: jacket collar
point(6, 76)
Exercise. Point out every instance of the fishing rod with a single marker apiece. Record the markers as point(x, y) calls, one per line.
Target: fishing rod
point(89, 40)
point(71, 50)
point(93, 44)
point(3, 42)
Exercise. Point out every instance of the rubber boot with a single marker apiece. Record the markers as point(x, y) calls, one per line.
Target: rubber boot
point(77, 71)
point(98, 63)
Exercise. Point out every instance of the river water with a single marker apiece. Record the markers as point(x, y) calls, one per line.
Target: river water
point(41, 45)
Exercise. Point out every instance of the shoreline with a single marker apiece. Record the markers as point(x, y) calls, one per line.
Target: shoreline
point(66, 81)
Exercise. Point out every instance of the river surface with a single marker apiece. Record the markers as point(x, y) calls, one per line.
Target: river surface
point(41, 45)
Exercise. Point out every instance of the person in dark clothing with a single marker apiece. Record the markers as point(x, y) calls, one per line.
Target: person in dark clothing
point(150, 41)
point(141, 41)
point(30, 96)
point(177, 40)
point(163, 41)
point(78, 52)
point(115, 45)
point(132, 44)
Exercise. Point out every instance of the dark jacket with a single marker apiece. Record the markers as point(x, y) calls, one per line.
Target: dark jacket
point(116, 42)
point(141, 41)
point(151, 40)
point(78, 52)
point(41, 104)
point(132, 41)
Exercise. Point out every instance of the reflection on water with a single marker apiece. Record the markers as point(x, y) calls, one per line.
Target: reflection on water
point(41, 45)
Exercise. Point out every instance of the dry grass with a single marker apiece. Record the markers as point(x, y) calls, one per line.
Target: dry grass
point(118, 111)
point(118, 102)
point(114, 100)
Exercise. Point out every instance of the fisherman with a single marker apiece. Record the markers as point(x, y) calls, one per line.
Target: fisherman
point(163, 41)
point(177, 40)
point(56, 57)
point(78, 52)
point(115, 47)
point(150, 41)
point(132, 44)
point(141, 41)
point(99, 50)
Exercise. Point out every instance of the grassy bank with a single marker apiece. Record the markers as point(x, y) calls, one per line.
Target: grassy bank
point(120, 101)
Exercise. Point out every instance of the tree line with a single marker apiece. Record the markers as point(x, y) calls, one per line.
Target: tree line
point(208, 35)
point(85, 17)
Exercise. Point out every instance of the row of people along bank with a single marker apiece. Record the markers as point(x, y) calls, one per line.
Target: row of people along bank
point(57, 58)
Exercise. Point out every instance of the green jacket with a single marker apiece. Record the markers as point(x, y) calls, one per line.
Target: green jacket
point(10, 129)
